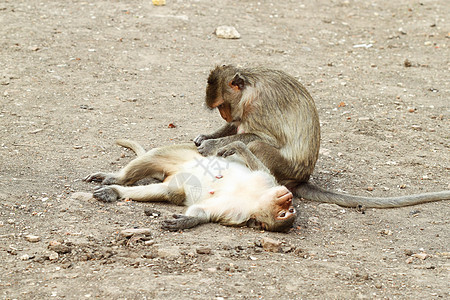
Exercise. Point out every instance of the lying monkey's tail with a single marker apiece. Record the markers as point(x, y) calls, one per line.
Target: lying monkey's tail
point(312, 192)
point(136, 147)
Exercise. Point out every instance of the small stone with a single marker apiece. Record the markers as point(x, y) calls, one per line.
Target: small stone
point(169, 253)
point(386, 232)
point(58, 247)
point(25, 257)
point(81, 196)
point(203, 250)
point(407, 63)
point(152, 212)
point(149, 242)
point(370, 188)
point(409, 260)
point(53, 256)
point(411, 109)
point(364, 119)
point(32, 238)
point(287, 249)
point(227, 32)
point(135, 231)
point(421, 256)
point(414, 212)
point(329, 207)
point(408, 252)
point(271, 245)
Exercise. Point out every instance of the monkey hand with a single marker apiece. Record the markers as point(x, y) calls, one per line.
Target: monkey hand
point(181, 222)
point(232, 148)
point(104, 178)
point(209, 147)
point(200, 138)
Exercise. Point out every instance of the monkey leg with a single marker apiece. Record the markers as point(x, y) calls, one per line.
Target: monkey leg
point(157, 163)
point(252, 162)
point(210, 147)
point(159, 192)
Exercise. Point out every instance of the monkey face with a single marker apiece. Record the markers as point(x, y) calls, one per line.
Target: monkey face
point(224, 91)
point(281, 215)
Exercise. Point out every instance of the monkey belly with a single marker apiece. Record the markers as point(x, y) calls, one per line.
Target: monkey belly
point(211, 177)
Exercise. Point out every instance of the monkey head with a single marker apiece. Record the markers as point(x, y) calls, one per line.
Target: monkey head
point(224, 92)
point(276, 212)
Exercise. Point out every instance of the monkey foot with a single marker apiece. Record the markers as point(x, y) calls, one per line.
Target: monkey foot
point(106, 194)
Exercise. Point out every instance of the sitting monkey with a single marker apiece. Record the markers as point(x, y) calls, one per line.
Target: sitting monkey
point(237, 190)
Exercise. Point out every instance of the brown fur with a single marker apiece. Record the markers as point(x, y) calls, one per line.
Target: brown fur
point(275, 116)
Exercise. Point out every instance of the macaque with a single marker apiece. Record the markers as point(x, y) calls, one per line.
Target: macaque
point(276, 118)
point(237, 190)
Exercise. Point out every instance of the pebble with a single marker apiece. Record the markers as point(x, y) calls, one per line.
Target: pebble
point(364, 119)
point(32, 238)
point(385, 232)
point(227, 32)
point(149, 242)
point(203, 250)
point(152, 212)
point(421, 256)
point(53, 256)
point(25, 257)
point(58, 247)
point(330, 207)
point(132, 231)
point(168, 252)
point(81, 196)
point(271, 245)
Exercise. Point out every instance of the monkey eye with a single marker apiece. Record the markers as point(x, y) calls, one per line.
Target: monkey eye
point(291, 210)
point(282, 214)
point(220, 106)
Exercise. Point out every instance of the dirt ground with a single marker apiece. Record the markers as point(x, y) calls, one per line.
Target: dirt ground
point(77, 75)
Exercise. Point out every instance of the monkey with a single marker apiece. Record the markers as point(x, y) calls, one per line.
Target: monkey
point(237, 190)
point(273, 114)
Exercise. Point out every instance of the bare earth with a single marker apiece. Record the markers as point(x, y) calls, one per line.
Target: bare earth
point(77, 75)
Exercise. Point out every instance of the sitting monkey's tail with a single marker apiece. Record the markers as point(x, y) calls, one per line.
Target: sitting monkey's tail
point(136, 147)
point(312, 192)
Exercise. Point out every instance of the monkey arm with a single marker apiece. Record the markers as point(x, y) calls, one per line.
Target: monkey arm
point(226, 130)
point(194, 216)
point(210, 147)
point(252, 162)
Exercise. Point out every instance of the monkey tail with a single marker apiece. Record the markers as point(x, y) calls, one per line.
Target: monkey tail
point(136, 147)
point(314, 193)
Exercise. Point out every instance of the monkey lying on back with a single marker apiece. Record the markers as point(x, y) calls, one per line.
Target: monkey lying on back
point(275, 116)
point(235, 191)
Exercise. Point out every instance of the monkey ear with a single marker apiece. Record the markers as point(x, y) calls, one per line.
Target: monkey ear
point(238, 81)
point(253, 223)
